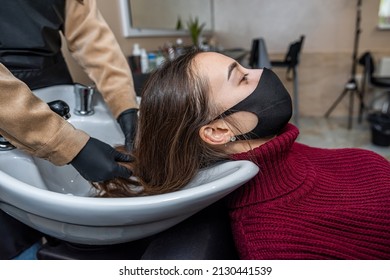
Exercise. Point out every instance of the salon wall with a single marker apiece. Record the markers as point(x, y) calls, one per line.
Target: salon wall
point(326, 59)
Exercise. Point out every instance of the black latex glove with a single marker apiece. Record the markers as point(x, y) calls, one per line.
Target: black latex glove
point(98, 162)
point(128, 122)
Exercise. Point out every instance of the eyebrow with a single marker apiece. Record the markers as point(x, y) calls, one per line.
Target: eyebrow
point(230, 69)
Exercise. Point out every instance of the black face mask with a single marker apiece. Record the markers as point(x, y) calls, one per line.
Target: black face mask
point(270, 102)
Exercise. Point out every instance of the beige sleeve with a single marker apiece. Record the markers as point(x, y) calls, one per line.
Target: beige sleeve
point(29, 124)
point(93, 45)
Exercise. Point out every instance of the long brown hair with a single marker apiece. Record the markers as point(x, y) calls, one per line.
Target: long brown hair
point(168, 149)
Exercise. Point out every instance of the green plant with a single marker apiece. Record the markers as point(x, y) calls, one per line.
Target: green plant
point(195, 29)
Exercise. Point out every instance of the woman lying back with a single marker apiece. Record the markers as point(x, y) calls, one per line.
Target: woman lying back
point(305, 202)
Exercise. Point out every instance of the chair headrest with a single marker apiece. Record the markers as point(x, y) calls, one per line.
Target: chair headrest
point(367, 61)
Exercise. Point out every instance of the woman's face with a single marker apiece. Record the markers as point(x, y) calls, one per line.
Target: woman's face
point(230, 83)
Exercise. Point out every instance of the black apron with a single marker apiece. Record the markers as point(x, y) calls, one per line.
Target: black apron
point(30, 47)
point(30, 41)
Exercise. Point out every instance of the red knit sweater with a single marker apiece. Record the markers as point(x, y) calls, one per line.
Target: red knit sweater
point(312, 203)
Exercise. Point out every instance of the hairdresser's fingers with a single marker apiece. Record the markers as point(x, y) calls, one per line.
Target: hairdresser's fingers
point(121, 157)
point(128, 123)
point(98, 161)
point(121, 171)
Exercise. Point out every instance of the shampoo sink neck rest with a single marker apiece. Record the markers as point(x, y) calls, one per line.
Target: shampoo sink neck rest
point(57, 201)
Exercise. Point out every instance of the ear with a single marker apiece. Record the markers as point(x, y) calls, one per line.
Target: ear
point(216, 133)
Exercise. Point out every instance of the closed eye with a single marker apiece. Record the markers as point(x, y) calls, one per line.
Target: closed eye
point(244, 78)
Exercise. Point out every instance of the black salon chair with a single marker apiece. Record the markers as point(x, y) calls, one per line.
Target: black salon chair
point(259, 58)
point(204, 236)
point(371, 80)
point(291, 62)
point(379, 118)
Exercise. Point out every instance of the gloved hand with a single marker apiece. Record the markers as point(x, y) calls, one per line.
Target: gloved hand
point(128, 122)
point(98, 162)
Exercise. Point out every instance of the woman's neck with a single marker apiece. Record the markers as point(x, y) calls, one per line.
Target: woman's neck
point(245, 145)
point(282, 169)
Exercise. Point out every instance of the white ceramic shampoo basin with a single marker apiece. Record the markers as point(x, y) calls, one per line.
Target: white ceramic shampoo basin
point(58, 201)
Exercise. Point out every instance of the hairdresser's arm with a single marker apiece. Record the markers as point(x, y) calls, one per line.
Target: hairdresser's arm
point(29, 124)
point(94, 46)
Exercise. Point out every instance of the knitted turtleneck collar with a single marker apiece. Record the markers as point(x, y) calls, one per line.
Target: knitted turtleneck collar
point(282, 170)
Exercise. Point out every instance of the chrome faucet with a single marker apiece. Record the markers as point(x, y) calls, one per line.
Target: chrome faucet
point(84, 94)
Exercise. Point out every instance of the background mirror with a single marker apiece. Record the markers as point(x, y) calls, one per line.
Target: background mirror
point(160, 18)
point(384, 14)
